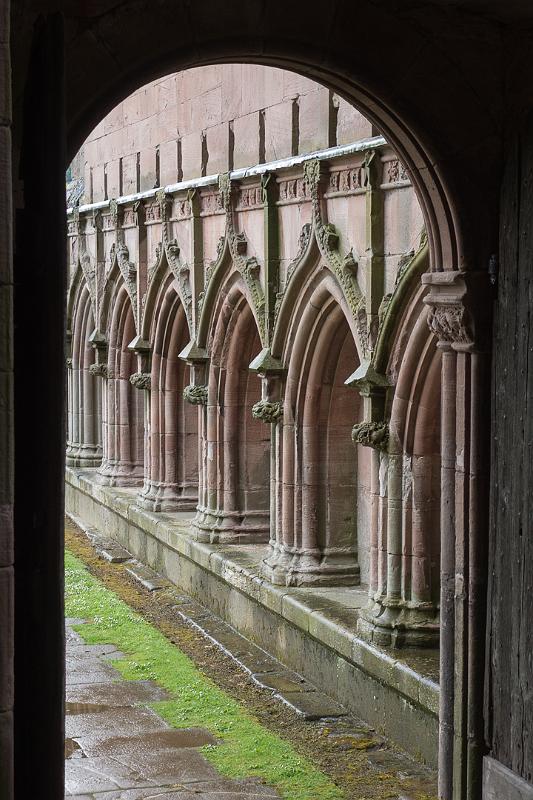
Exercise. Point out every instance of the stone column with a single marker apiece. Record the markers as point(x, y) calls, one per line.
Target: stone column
point(400, 611)
point(459, 316)
point(196, 393)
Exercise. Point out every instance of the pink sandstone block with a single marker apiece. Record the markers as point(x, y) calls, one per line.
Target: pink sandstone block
point(207, 109)
point(314, 120)
point(168, 162)
point(246, 133)
point(98, 183)
point(148, 169)
point(113, 178)
point(129, 174)
point(191, 154)
point(278, 131)
point(231, 91)
point(218, 148)
point(351, 125)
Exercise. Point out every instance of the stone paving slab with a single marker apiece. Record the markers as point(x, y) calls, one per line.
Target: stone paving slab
point(125, 693)
point(98, 726)
point(118, 749)
point(189, 793)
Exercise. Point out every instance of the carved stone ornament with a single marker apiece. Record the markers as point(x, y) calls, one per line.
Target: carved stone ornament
point(141, 380)
point(101, 371)
point(327, 237)
point(371, 434)
point(69, 363)
point(266, 411)
point(237, 243)
point(196, 395)
point(452, 324)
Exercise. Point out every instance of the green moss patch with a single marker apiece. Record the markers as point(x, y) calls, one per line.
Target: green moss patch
point(246, 748)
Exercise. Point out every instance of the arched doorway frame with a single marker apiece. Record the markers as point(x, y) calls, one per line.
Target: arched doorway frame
point(457, 225)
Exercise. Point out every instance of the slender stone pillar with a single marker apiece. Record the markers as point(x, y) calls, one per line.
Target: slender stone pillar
point(403, 606)
point(460, 318)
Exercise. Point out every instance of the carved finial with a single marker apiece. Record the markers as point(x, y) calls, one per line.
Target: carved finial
point(267, 411)
point(196, 395)
point(371, 434)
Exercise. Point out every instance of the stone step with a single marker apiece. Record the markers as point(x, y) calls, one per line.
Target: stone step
point(107, 549)
point(265, 670)
point(146, 577)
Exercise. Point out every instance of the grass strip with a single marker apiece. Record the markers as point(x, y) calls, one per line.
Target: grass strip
point(246, 748)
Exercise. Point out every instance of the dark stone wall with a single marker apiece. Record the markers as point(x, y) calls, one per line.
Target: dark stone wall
point(39, 310)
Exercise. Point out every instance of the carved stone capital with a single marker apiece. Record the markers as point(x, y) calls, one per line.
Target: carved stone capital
point(270, 412)
point(459, 308)
point(101, 371)
point(141, 380)
point(196, 395)
point(371, 434)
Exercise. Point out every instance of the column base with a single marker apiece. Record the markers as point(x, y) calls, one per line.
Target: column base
point(83, 456)
point(117, 474)
point(284, 567)
point(167, 497)
point(396, 624)
point(231, 527)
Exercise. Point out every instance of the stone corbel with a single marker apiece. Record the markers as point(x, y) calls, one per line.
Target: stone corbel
point(270, 408)
point(196, 395)
point(371, 434)
point(459, 309)
point(100, 370)
point(197, 359)
point(141, 380)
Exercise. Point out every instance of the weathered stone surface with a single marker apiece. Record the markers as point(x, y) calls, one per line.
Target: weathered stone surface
point(313, 705)
point(147, 577)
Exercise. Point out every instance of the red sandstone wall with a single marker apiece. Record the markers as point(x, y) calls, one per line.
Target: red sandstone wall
point(209, 120)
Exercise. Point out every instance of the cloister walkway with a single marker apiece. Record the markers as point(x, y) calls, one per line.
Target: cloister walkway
point(117, 747)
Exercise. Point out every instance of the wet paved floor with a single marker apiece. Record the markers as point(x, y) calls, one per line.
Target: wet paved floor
point(116, 748)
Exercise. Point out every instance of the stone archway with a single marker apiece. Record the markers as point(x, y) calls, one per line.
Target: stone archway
point(457, 195)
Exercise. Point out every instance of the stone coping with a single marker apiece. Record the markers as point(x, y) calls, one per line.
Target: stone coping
point(328, 615)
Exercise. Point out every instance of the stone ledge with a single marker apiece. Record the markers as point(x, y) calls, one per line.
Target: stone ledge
point(161, 540)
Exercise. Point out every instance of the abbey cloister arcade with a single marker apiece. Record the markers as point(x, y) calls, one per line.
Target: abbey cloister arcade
point(254, 378)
